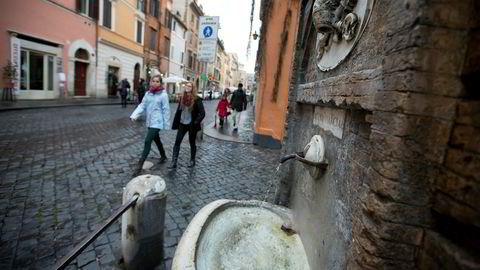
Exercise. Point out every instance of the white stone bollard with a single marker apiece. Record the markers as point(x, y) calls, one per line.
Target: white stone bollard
point(142, 225)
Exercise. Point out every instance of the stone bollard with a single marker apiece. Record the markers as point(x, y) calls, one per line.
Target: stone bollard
point(142, 225)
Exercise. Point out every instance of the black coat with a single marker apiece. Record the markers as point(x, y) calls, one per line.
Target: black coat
point(239, 100)
point(198, 113)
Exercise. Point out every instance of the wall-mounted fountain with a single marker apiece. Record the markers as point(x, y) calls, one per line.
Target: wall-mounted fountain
point(228, 234)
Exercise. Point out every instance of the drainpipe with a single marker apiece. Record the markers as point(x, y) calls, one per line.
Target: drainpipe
point(96, 58)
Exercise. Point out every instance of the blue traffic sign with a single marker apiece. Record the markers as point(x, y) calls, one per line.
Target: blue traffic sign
point(207, 31)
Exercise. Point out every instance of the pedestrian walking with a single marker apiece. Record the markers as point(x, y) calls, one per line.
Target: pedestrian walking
point(222, 108)
point(188, 117)
point(141, 90)
point(155, 104)
point(124, 87)
point(238, 104)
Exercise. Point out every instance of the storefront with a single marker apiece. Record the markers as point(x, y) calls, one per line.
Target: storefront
point(118, 63)
point(39, 62)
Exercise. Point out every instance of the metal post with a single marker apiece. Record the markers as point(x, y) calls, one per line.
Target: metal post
point(142, 226)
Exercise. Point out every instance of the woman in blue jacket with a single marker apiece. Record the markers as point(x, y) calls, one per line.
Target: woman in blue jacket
point(155, 104)
point(189, 115)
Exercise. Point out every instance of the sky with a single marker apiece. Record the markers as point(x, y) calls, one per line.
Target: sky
point(235, 26)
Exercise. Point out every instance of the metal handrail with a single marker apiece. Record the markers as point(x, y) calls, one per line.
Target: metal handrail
point(65, 261)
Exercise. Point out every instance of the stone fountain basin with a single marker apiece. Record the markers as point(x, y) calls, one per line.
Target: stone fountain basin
point(227, 234)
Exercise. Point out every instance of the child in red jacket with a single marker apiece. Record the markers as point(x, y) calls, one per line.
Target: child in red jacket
point(222, 108)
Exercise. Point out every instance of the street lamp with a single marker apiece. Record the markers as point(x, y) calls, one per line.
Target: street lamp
point(255, 35)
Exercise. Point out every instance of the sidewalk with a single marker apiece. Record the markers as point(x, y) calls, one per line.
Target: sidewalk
point(53, 103)
point(244, 134)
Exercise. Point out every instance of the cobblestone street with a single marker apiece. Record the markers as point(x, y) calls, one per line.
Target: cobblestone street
point(62, 171)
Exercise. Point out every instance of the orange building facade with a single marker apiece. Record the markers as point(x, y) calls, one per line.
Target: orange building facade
point(278, 34)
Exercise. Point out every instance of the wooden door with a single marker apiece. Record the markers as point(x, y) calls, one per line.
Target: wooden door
point(80, 79)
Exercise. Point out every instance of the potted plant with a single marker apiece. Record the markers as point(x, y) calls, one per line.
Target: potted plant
point(9, 75)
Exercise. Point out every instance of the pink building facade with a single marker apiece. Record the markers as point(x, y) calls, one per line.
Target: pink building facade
point(53, 45)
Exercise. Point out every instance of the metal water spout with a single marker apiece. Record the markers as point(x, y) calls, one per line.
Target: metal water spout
point(313, 157)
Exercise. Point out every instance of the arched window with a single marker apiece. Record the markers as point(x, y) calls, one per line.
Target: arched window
point(81, 54)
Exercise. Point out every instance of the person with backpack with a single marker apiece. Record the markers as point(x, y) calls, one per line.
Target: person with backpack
point(238, 104)
point(188, 119)
point(155, 104)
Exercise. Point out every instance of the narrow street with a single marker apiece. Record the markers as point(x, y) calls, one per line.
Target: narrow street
point(63, 169)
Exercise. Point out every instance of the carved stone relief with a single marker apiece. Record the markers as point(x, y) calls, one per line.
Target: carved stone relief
point(339, 25)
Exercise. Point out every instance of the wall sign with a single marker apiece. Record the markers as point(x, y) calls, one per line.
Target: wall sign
point(330, 119)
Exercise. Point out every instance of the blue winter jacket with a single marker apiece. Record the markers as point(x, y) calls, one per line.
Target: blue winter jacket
point(157, 109)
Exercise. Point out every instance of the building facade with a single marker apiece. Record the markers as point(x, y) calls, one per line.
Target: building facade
point(251, 83)
point(164, 38)
point(177, 49)
point(152, 39)
point(189, 11)
point(120, 44)
point(234, 69)
point(53, 60)
point(394, 98)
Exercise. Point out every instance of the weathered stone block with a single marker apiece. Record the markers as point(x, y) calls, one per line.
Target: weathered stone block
point(418, 195)
point(425, 262)
point(394, 123)
point(469, 113)
point(400, 15)
point(462, 189)
point(449, 14)
point(401, 233)
point(413, 172)
point(426, 37)
point(381, 248)
point(466, 137)
point(406, 149)
point(448, 254)
point(440, 38)
point(424, 59)
point(463, 162)
point(450, 207)
point(402, 60)
point(416, 104)
point(424, 82)
point(396, 212)
point(442, 61)
point(472, 61)
point(368, 261)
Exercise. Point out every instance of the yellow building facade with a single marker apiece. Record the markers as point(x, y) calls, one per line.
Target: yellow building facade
point(120, 44)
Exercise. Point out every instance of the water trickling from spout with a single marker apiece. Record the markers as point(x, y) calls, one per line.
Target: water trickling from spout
point(272, 182)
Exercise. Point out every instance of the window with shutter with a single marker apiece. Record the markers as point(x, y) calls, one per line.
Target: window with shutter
point(154, 8)
point(93, 9)
point(139, 31)
point(82, 6)
point(153, 39)
point(167, 47)
point(107, 14)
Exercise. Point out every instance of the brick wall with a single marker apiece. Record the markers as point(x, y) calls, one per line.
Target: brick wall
point(402, 188)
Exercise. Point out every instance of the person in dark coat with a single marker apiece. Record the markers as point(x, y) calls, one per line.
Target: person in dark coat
point(125, 85)
point(238, 104)
point(141, 90)
point(188, 117)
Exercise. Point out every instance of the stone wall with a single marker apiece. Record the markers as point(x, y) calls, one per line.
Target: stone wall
point(400, 117)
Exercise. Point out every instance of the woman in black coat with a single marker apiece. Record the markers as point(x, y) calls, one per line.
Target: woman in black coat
point(189, 115)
